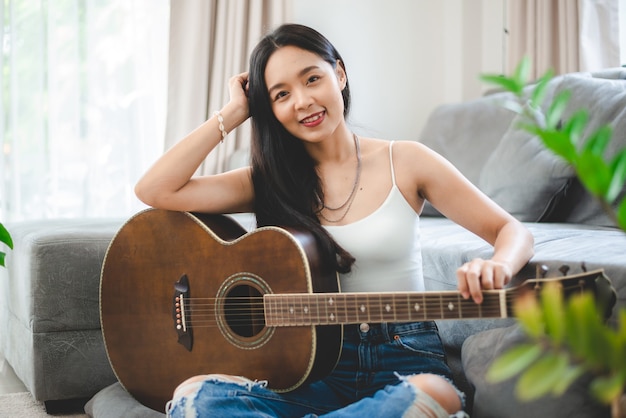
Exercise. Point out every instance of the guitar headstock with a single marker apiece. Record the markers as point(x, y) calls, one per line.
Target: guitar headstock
point(594, 281)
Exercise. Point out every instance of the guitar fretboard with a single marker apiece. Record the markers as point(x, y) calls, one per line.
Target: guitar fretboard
point(352, 308)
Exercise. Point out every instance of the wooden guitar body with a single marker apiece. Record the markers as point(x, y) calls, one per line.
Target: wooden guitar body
point(150, 350)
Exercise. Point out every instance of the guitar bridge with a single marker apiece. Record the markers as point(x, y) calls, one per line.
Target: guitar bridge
point(181, 312)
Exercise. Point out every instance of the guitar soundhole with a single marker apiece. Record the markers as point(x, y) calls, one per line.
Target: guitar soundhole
point(243, 311)
point(240, 311)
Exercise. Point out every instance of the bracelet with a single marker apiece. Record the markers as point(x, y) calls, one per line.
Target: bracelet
point(220, 120)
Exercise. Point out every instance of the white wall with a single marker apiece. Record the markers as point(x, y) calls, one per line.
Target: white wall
point(405, 57)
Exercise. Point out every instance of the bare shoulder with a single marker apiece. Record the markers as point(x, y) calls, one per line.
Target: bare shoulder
point(411, 147)
point(414, 156)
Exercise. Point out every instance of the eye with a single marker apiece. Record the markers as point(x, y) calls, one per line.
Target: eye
point(280, 95)
point(312, 79)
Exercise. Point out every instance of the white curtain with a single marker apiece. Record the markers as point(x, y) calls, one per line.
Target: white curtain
point(210, 41)
point(83, 109)
point(564, 35)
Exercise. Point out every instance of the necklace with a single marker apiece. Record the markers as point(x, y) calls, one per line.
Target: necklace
point(348, 203)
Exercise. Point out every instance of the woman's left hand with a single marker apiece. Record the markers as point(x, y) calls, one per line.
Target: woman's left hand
point(479, 274)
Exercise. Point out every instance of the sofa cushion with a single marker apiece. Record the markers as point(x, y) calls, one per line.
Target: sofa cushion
point(459, 132)
point(603, 95)
point(54, 272)
point(499, 399)
point(523, 176)
point(115, 402)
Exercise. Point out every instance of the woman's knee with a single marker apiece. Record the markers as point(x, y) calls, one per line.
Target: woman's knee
point(440, 389)
point(192, 384)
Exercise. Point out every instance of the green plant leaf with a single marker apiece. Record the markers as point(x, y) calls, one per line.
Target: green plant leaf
point(540, 90)
point(618, 176)
point(597, 142)
point(542, 376)
point(575, 126)
point(570, 375)
point(503, 82)
point(528, 313)
point(606, 389)
point(521, 73)
point(559, 143)
point(5, 237)
point(2, 255)
point(578, 334)
point(556, 109)
point(513, 361)
point(590, 343)
point(593, 173)
point(553, 311)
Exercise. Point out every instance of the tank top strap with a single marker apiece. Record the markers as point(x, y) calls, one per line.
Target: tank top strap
point(393, 174)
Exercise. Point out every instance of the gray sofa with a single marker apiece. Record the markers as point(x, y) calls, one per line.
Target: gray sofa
point(49, 317)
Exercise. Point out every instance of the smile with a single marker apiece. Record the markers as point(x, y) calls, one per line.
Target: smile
point(313, 120)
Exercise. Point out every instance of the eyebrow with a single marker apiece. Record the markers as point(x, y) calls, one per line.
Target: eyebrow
point(300, 74)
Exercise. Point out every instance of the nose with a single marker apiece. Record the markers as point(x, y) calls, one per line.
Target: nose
point(303, 99)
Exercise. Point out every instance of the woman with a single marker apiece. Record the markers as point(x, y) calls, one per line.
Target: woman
point(361, 198)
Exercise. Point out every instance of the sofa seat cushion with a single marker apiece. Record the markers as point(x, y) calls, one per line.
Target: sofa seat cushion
point(54, 272)
point(446, 246)
point(498, 400)
point(49, 307)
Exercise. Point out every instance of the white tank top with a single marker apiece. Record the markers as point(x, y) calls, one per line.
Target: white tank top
point(386, 246)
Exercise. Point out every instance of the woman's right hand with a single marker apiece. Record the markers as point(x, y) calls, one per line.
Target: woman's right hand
point(238, 88)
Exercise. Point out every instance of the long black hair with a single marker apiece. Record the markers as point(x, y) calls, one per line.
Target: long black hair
point(286, 184)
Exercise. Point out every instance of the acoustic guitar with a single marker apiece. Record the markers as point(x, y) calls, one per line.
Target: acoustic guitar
point(183, 294)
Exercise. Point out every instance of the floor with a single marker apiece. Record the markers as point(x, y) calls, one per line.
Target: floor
point(9, 382)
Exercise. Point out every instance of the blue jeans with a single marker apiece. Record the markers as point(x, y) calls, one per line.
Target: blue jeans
point(366, 382)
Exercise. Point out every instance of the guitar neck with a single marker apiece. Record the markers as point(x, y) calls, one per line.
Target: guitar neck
point(303, 309)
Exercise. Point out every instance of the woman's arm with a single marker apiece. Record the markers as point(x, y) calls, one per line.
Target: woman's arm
point(458, 199)
point(170, 182)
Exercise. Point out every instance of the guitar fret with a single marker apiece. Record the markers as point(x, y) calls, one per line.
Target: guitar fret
point(388, 308)
point(298, 312)
point(450, 306)
point(471, 309)
point(417, 307)
point(403, 311)
point(351, 308)
point(290, 311)
point(362, 307)
point(375, 310)
point(331, 309)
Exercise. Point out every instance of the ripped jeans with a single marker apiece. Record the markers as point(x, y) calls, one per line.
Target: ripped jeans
point(367, 382)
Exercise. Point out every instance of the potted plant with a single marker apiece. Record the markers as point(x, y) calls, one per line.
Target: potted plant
point(567, 338)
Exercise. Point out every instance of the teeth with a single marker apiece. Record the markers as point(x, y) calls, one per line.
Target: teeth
point(312, 118)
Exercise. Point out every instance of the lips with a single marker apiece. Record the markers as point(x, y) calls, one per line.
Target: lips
point(313, 120)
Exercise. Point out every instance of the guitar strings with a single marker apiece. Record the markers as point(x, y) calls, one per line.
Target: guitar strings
point(202, 312)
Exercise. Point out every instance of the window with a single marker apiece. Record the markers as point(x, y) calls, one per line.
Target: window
point(84, 87)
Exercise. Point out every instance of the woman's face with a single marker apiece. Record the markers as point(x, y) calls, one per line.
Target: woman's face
point(305, 93)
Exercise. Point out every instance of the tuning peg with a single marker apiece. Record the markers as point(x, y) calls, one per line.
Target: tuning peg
point(542, 270)
point(564, 269)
